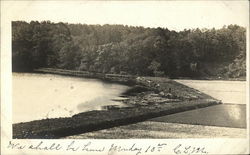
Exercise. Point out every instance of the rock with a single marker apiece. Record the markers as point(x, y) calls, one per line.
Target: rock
point(162, 93)
point(153, 94)
point(168, 95)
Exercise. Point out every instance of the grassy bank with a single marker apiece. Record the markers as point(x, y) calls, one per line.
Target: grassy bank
point(150, 97)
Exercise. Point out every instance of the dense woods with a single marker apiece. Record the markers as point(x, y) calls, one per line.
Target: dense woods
point(129, 50)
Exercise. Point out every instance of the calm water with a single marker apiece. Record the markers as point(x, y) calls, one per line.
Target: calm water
point(232, 113)
point(224, 115)
point(40, 96)
point(227, 91)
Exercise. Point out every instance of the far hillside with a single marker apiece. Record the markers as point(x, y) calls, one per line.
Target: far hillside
point(119, 49)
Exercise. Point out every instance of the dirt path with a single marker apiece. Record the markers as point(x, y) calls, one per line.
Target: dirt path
point(149, 129)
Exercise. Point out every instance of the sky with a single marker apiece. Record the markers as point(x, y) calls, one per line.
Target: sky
point(174, 15)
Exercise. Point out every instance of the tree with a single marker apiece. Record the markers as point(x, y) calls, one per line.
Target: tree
point(134, 50)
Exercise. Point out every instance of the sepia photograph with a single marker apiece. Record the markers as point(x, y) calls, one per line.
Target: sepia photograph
point(121, 70)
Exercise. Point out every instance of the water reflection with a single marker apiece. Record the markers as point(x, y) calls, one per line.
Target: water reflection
point(100, 103)
point(235, 113)
point(225, 115)
point(40, 96)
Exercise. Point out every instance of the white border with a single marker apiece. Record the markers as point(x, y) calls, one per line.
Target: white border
point(213, 146)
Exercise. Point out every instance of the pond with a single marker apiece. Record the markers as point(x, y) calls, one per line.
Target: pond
point(41, 96)
point(232, 113)
point(233, 92)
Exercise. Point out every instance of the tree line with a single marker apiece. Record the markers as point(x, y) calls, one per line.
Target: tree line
point(123, 49)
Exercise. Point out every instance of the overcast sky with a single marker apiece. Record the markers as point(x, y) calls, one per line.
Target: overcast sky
point(175, 15)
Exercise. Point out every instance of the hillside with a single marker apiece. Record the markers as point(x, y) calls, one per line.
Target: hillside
point(195, 53)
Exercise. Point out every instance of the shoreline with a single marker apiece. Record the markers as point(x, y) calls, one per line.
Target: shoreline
point(211, 79)
point(150, 97)
point(102, 75)
point(97, 120)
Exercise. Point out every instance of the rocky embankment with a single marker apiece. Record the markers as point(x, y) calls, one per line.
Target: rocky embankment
point(159, 90)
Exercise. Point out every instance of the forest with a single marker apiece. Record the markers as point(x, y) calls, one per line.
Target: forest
point(134, 50)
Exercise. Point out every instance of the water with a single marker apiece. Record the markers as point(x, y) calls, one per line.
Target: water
point(232, 113)
point(41, 96)
point(227, 115)
point(226, 91)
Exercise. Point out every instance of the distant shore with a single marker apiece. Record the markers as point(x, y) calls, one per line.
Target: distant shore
point(213, 78)
point(110, 76)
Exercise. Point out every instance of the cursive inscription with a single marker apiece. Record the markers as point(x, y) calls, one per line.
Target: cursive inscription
point(113, 148)
point(15, 146)
point(92, 148)
point(181, 149)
